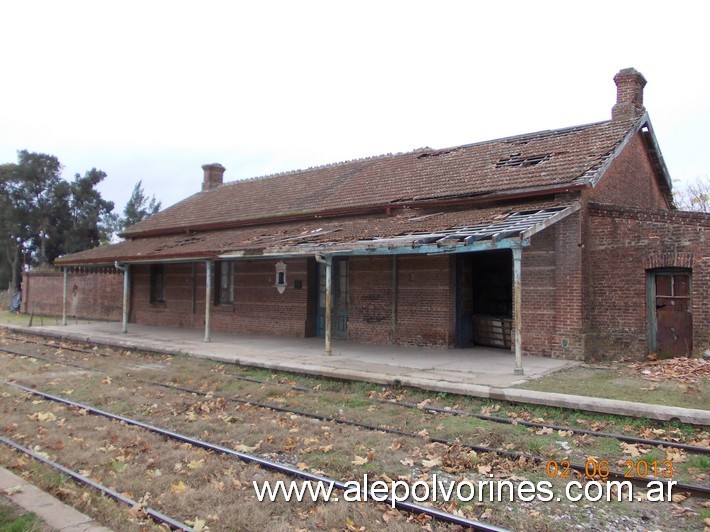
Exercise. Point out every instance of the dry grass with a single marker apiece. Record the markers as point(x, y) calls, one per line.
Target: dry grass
point(218, 489)
point(179, 479)
point(619, 382)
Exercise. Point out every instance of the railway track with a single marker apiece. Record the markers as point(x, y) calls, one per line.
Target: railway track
point(122, 372)
point(579, 467)
point(695, 449)
point(264, 463)
point(155, 515)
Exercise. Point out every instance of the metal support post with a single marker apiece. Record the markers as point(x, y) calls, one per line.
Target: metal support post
point(208, 299)
point(517, 309)
point(328, 303)
point(395, 297)
point(64, 298)
point(126, 296)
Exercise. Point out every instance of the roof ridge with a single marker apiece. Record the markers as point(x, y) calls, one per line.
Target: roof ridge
point(322, 166)
point(469, 170)
point(511, 138)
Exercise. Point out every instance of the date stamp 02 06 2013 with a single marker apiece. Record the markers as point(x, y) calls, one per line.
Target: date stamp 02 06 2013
point(635, 469)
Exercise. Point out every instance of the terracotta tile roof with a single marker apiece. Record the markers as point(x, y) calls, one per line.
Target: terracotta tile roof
point(258, 240)
point(557, 157)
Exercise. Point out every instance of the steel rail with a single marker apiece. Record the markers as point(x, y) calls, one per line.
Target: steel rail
point(66, 348)
point(157, 516)
point(581, 468)
point(88, 352)
point(695, 449)
point(266, 464)
point(46, 359)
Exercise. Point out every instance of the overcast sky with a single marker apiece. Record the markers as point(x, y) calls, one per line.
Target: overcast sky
point(152, 90)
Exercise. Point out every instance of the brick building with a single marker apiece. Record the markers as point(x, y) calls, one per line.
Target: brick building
point(559, 243)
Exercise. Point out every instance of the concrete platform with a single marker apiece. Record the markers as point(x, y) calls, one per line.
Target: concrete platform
point(480, 371)
point(479, 366)
point(52, 511)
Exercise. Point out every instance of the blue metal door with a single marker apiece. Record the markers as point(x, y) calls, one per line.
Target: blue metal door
point(340, 299)
point(464, 301)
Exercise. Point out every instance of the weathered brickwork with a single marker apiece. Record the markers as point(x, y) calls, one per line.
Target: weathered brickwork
point(370, 300)
point(625, 244)
point(584, 281)
point(539, 294)
point(425, 313)
point(630, 180)
point(90, 296)
point(584, 289)
point(258, 306)
point(425, 300)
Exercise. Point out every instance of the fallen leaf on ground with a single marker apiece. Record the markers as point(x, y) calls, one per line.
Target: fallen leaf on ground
point(246, 449)
point(195, 464)
point(679, 497)
point(178, 488)
point(11, 490)
point(632, 450)
point(43, 416)
point(431, 463)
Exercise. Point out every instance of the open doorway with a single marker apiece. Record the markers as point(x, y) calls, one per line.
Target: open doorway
point(484, 298)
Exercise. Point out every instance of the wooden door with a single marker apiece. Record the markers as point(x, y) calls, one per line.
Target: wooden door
point(673, 316)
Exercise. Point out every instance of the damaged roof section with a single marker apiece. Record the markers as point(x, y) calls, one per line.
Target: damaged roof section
point(516, 225)
point(407, 231)
point(517, 160)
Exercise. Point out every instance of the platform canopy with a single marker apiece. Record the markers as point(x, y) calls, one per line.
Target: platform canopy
point(408, 231)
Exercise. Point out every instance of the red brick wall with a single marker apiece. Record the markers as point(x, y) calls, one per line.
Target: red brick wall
point(624, 244)
point(177, 310)
point(539, 297)
point(425, 301)
point(630, 180)
point(425, 306)
point(258, 306)
point(91, 296)
point(568, 341)
point(370, 300)
point(553, 310)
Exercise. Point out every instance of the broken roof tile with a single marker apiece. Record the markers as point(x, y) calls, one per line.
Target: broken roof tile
point(424, 174)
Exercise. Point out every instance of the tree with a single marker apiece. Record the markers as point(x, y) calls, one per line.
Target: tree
point(694, 196)
point(90, 214)
point(43, 216)
point(139, 207)
point(29, 208)
point(9, 230)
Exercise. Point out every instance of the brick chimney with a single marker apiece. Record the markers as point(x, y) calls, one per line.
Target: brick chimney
point(629, 95)
point(214, 176)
